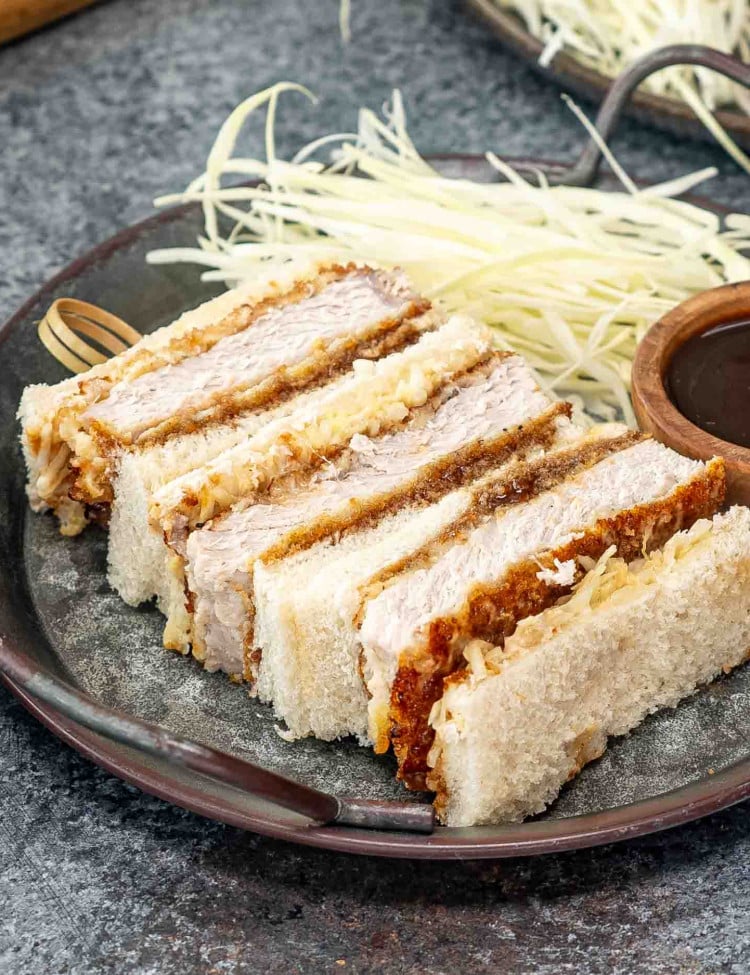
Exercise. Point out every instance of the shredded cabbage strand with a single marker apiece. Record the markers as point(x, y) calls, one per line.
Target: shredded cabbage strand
point(570, 278)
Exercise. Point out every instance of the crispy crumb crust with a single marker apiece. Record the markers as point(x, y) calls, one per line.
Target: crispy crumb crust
point(216, 490)
point(93, 479)
point(387, 335)
point(427, 487)
point(356, 516)
point(524, 481)
point(198, 340)
point(299, 476)
point(491, 612)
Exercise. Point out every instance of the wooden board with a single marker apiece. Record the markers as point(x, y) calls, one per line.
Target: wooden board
point(18, 17)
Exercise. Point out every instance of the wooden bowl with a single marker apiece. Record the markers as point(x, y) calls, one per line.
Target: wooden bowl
point(656, 412)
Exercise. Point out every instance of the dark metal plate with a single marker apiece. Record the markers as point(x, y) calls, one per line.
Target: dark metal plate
point(668, 114)
point(57, 611)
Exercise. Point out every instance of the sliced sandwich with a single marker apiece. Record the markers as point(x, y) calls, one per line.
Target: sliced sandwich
point(501, 565)
point(284, 455)
point(475, 419)
point(521, 719)
point(307, 605)
point(241, 351)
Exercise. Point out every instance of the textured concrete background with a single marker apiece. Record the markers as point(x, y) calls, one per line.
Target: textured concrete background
point(97, 116)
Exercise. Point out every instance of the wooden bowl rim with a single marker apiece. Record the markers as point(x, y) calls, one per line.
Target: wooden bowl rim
point(653, 407)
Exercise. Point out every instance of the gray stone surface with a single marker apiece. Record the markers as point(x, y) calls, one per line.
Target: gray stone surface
point(98, 115)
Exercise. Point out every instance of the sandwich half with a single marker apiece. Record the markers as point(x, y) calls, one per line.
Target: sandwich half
point(521, 719)
point(240, 351)
point(503, 564)
point(307, 604)
point(475, 418)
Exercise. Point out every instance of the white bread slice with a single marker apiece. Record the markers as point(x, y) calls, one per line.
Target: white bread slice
point(377, 397)
point(473, 422)
point(510, 565)
point(306, 605)
point(525, 718)
point(208, 365)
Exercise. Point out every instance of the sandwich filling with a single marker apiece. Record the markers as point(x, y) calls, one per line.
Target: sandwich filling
point(280, 339)
point(473, 422)
point(375, 397)
point(513, 564)
point(137, 555)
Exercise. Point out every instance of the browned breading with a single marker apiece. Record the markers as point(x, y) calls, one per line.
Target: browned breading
point(136, 362)
point(93, 480)
point(525, 481)
point(427, 487)
point(492, 612)
point(203, 339)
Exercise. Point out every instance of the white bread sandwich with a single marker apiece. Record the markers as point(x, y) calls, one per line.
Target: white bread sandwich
point(473, 421)
point(377, 397)
point(240, 351)
point(501, 566)
point(523, 718)
point(307, 604)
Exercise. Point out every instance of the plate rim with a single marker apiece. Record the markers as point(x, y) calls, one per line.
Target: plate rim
point(687, 803)
point(668, 114)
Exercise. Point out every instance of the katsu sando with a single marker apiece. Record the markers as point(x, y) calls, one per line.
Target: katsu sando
point(475, 417)
point(307, 605)
point(520, 719)
point(389, 530)
point(244, 350)
point(507, 564)
point(324, 618)
point(377, 397)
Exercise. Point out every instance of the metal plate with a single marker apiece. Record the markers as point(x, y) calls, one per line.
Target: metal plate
point(56, 609)
point(668, 114)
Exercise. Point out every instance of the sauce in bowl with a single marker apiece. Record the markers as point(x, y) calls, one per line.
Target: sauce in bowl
point(708, 380)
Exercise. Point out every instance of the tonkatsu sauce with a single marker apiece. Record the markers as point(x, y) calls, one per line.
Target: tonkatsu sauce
point(708, 380)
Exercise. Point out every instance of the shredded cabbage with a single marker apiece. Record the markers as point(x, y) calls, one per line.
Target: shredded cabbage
point(609, 36)
point(571, 278)
point(608, 580)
